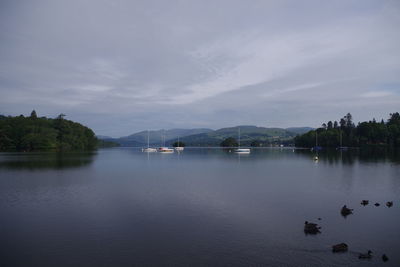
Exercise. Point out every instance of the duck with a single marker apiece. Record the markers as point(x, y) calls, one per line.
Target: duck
point(377, 204)
point(364, 202)
point(385, 258)
point(367, 255)
point(342, 247)
point(346, 211)
point(311, 228)
point(389, 203)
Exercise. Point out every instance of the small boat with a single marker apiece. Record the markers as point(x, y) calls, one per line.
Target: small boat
point(165, 150)
point(241, 150)
point(149, 149)
point(341, 147)
point(179, 148)
point(316, 147)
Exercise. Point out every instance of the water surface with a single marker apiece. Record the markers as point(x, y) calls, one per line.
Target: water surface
point(202, 207)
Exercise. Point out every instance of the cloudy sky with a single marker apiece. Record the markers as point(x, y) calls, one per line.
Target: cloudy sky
point(124, 66)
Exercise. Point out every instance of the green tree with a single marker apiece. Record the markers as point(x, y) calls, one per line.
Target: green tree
point(33, 114)
point(256, 143)
point(366, 133)
point(178, 144)
point(34, 134)
point(229, 142)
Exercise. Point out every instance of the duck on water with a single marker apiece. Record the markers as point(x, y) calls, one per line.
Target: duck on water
point(346, 211)
point(367, 255)
point(311, 228)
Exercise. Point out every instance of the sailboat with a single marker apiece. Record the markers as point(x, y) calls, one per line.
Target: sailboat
point(316, 148)
point(179, 148)
point(341, 147)
point(241, 150)
point(165, 149)
point(148, 149)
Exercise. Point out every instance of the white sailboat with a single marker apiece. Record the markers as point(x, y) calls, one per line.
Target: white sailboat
point(148, 149)
point(179, 148)
point(242, 150)
point(164, 149)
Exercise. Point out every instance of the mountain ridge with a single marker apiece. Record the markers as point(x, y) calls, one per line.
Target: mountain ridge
point(208, 137)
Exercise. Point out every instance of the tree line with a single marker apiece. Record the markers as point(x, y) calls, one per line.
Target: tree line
point(32, 133)
point(345, 133)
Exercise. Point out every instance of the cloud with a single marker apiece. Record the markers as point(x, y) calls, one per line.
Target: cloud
point(376, 94)
point(125, 66)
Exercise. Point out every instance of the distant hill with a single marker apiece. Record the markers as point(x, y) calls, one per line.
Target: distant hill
point(155, 137)
point(103, 137)
point(299, 130)
point(249, 134)
point(207, 137)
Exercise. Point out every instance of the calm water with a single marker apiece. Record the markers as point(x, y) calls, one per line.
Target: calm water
point(203, 207)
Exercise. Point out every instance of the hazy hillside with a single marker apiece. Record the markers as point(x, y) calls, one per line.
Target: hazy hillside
point(248, 135)
point(156, 137)
point(207, 137)
point(299, 130)
point(103, 137)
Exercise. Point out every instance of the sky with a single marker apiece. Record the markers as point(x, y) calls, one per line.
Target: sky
point(120, 67)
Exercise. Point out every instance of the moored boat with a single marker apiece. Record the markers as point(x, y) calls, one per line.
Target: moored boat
point(179, 147)
point(165, 150)
point(149, 149)
point(241, 150)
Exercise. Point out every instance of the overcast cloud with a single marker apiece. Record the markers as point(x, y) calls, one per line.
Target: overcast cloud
point(124, 66)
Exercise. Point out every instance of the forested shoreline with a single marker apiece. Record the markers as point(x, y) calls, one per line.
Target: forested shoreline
point(35, 133)
point(346, 134)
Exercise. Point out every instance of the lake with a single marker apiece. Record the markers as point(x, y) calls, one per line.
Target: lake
point(202, 207)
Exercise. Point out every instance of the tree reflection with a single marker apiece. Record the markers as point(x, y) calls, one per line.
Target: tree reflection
point(43, 160)
point(350, 156)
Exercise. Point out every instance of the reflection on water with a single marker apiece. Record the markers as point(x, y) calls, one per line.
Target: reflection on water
point(45, 160)
point(350, 156)
point(201, 207)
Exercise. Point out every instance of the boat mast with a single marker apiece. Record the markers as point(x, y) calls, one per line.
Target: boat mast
point(239, 136)
point(316, 138)
point(164, 139)
point(148, 141)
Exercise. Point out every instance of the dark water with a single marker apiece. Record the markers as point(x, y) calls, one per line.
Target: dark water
point(204, 207)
